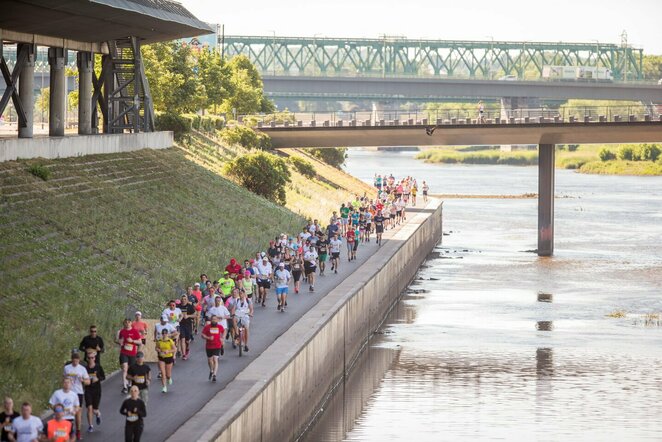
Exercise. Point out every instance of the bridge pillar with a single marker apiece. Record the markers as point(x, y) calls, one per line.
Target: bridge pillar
point(57, 58)
point(26, 89)
point(85, 61)
point(546, 156)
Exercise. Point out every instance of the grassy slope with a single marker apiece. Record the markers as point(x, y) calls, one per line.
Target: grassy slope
point(109, 234)
point(585, 159)
point(104, 236)
point(315, 198)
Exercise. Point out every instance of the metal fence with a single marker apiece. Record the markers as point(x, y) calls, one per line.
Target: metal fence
point(583, 114)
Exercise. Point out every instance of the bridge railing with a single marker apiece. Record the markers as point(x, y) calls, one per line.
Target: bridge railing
point(541, 115)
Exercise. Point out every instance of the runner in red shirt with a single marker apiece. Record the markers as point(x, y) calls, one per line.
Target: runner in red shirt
point(128, 339)
point(234, 268)
point(213, 333)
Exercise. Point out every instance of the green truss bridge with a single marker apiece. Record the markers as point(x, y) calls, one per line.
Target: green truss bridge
point(401, 57)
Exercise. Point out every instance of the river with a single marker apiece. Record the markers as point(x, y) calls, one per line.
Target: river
point(492, 342)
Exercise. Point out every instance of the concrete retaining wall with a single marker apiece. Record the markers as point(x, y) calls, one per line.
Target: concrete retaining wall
point(77, 145)
point(278, 394)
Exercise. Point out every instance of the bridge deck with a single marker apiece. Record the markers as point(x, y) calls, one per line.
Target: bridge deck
point(462, 134)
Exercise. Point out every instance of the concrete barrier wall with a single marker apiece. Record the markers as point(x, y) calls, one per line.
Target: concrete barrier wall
point(77, 145)
point(279, 393)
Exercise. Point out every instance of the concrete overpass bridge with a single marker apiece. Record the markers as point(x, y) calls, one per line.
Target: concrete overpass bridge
point(544, 130)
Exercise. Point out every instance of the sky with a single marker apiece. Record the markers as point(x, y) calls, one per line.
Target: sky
point(498, 20)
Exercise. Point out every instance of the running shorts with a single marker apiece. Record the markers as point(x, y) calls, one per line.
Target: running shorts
point(310, 268)
point(399, 213)
point(126, 359)
point(213, 352)
point(392, 216)
point(93, 397)
point(356, 245)
point(281, 290)
point(335, 255)
point(379, 228)
point(186, 331)
point(169, 360)
point(264, 283)
point(323, 257)
point(343, 221)
point(296, 275)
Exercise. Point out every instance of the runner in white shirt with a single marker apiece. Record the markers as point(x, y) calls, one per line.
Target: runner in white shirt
point(264, 274)
point(282, 277)
point(164, 324)
point(68, 399)
point(173, 313)
point(220, 311)
point(26, 428)
point(334, 244)
point(79, 377)
point(309, 267)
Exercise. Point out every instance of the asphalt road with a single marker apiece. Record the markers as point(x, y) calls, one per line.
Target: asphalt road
point(191, 388)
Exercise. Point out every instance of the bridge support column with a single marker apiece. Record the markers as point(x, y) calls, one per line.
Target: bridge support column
point(546, 157)
point(85, 93)
point(26, 89)
point(57, 58)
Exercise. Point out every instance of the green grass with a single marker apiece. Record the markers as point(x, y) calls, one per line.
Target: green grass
point(585, 159)
point(104, 236)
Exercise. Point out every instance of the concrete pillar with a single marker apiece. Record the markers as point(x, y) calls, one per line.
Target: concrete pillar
point(85, 92)
point(26, 89)
point(57, 58)
point(546, 199)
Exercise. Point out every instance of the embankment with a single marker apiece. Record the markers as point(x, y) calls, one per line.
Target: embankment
point(278, 395)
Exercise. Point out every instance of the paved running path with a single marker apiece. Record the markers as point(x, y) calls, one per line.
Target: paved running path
point(191, 389)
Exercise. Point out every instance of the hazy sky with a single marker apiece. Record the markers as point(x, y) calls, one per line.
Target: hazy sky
point(530, 20)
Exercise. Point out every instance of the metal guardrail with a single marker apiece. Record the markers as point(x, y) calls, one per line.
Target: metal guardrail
point(583, 114)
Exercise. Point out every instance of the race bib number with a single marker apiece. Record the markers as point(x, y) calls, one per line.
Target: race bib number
point(139, 379)
point(128, 347)
point(8, 428)
point(61, 433)
point(132, 418)
point(214, 330)
point(93, 378)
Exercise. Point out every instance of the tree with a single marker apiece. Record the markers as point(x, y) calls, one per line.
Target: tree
point(215, 75)
point(173, 78)
point(247, 89)
point(332, 156)
point(262, 173)
point(653, 67)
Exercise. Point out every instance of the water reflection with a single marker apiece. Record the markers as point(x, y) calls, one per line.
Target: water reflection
point(545, 297)
point(545, 325)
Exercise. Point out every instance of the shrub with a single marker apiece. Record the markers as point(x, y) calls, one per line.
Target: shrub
point(606, 154)
point(40, 171)
point(302, 166)
point(246, 137)
point(178, 124)
point(573, 147)
point(262, 173)
point(332, 156)
point(647, 152)
point(205, 123)
point(626, 153)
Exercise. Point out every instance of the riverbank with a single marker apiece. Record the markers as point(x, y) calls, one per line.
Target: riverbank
point(582, 158)
point(278, 394)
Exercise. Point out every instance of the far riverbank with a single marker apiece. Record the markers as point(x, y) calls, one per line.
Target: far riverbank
point(590, 159)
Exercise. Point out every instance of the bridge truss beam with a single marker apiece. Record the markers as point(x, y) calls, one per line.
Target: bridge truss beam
point(389, 56)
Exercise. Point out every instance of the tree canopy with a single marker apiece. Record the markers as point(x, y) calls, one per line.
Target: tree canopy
point(182, 80)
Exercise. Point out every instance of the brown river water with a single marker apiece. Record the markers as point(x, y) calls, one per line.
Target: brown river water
point(491, 342)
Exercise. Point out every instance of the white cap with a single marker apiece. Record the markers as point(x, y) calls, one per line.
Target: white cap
point(282, 264)
point(197, 283)
point(138, 314)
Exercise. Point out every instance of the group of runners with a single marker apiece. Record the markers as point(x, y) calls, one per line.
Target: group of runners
point(215, 310)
